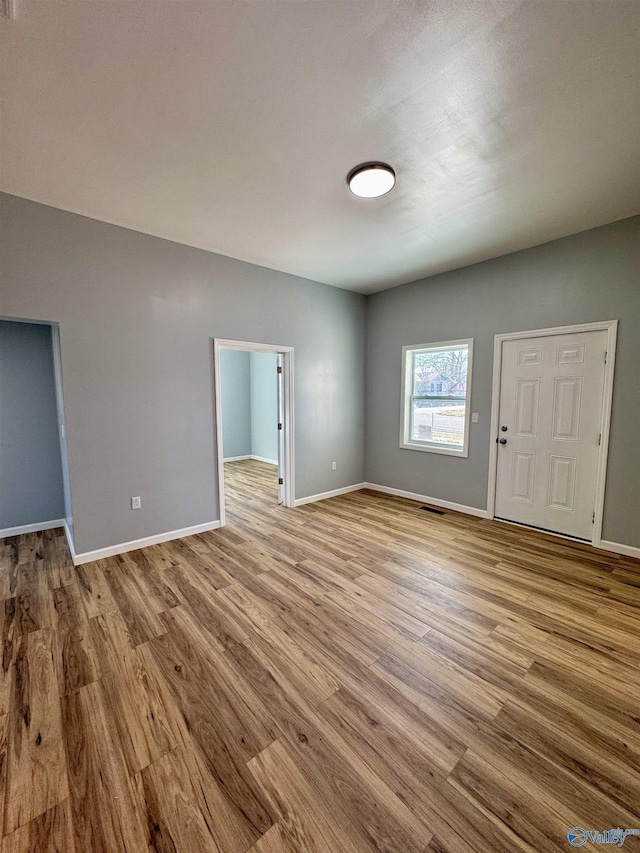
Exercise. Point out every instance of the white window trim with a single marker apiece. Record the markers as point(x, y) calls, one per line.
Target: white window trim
point(405, 414)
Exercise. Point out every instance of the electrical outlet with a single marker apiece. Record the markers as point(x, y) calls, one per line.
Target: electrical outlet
point(474, 418)
point(136, 503)
point(334, 465)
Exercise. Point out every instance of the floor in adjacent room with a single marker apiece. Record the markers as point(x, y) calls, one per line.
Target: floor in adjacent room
point(352, 675)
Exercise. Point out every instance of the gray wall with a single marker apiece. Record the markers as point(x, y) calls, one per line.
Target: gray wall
point(235, 387)
point(138, 314)
point(31, 489)
point(137, 317)
point(588, 277)
point(264, 405)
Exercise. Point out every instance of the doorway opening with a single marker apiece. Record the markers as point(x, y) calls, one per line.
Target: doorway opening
point(254, 422)
point(551, 412)
point(34, 465)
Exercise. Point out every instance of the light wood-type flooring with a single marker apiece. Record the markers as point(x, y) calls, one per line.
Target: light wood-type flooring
point(352, 675)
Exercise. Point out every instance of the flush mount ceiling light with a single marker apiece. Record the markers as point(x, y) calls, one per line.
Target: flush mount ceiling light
point(371, 180)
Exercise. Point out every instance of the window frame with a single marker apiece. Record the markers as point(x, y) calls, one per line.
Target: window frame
point(406, 442)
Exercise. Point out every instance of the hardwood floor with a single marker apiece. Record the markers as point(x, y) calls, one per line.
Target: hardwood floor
point(353, 675)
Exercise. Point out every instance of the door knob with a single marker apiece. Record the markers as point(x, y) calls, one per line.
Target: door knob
point(503, 441)
point(504, 428)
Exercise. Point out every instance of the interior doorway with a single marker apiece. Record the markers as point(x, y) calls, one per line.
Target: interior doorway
point(254, 420)
point(551, 413)
point(34, 467)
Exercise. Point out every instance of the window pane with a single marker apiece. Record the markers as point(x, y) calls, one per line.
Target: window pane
point(437, 421)
point(441, 373)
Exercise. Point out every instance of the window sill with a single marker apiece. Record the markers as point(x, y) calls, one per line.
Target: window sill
point(462, 452)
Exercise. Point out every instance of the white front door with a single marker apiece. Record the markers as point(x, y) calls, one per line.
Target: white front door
point(551, 397)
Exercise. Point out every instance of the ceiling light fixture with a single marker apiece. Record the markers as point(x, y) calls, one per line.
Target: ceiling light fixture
point(371, 180)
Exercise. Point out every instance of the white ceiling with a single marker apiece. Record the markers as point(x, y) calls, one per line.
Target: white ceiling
point(231, 125)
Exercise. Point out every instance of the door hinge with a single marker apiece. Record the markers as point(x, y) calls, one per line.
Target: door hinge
point(280, 481)
point(593, 517)
point(279, 426)
point(599, 439)
point(279, 368)
point(605, 356)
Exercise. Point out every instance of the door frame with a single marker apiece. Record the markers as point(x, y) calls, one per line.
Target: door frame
point(287, 425)
point(611, 328)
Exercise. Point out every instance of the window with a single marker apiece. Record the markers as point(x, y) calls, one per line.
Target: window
point(436, 393)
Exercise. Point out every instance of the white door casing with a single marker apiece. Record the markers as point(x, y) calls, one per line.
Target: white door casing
point(553, 397)
point(280, 426)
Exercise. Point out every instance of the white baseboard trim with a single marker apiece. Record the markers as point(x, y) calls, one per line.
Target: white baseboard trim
point(31, 528)
point(617, 548)
point(71, 546)
point(250, 456)
point(123, 547)
point(425, 499)
point(264, 459)
point(332, 494)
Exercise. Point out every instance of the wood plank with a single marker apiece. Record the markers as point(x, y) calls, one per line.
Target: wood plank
point(133, 699)
point(10, 634)
point(106, 804)
point(134, 605)
point(36, 760)
point(150, 578)
point(306, 823)
point(32, 595)
point(74, 656)
point(9, 558)
point(94, 589)
point(275, 841)
point(224, 727)
point(338, 773)
point(4, 745)
point(175, 817)
point(206, 607)
point(57, 562)
point(494, 794)
point(50, 832)
point(283, 657)
point(583, 757)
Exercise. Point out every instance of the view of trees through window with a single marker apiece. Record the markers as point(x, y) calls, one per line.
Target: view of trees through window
point(438, 401)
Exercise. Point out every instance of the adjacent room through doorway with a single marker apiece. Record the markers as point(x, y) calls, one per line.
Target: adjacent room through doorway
point(34, 480)
point(253, 426)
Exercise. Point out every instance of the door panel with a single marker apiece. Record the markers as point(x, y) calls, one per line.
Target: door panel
point(562, 481)
point(551, 397)
point(527, 407)
point(524, 474)
point(566, 408)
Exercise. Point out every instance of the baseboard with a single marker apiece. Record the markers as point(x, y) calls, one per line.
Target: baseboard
point(123, 547)
point(250, 456)
point(617, 548)
point(70, 545)
point(31, 528)
point(264, 459)
point(332, 494)
point(425, 499)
